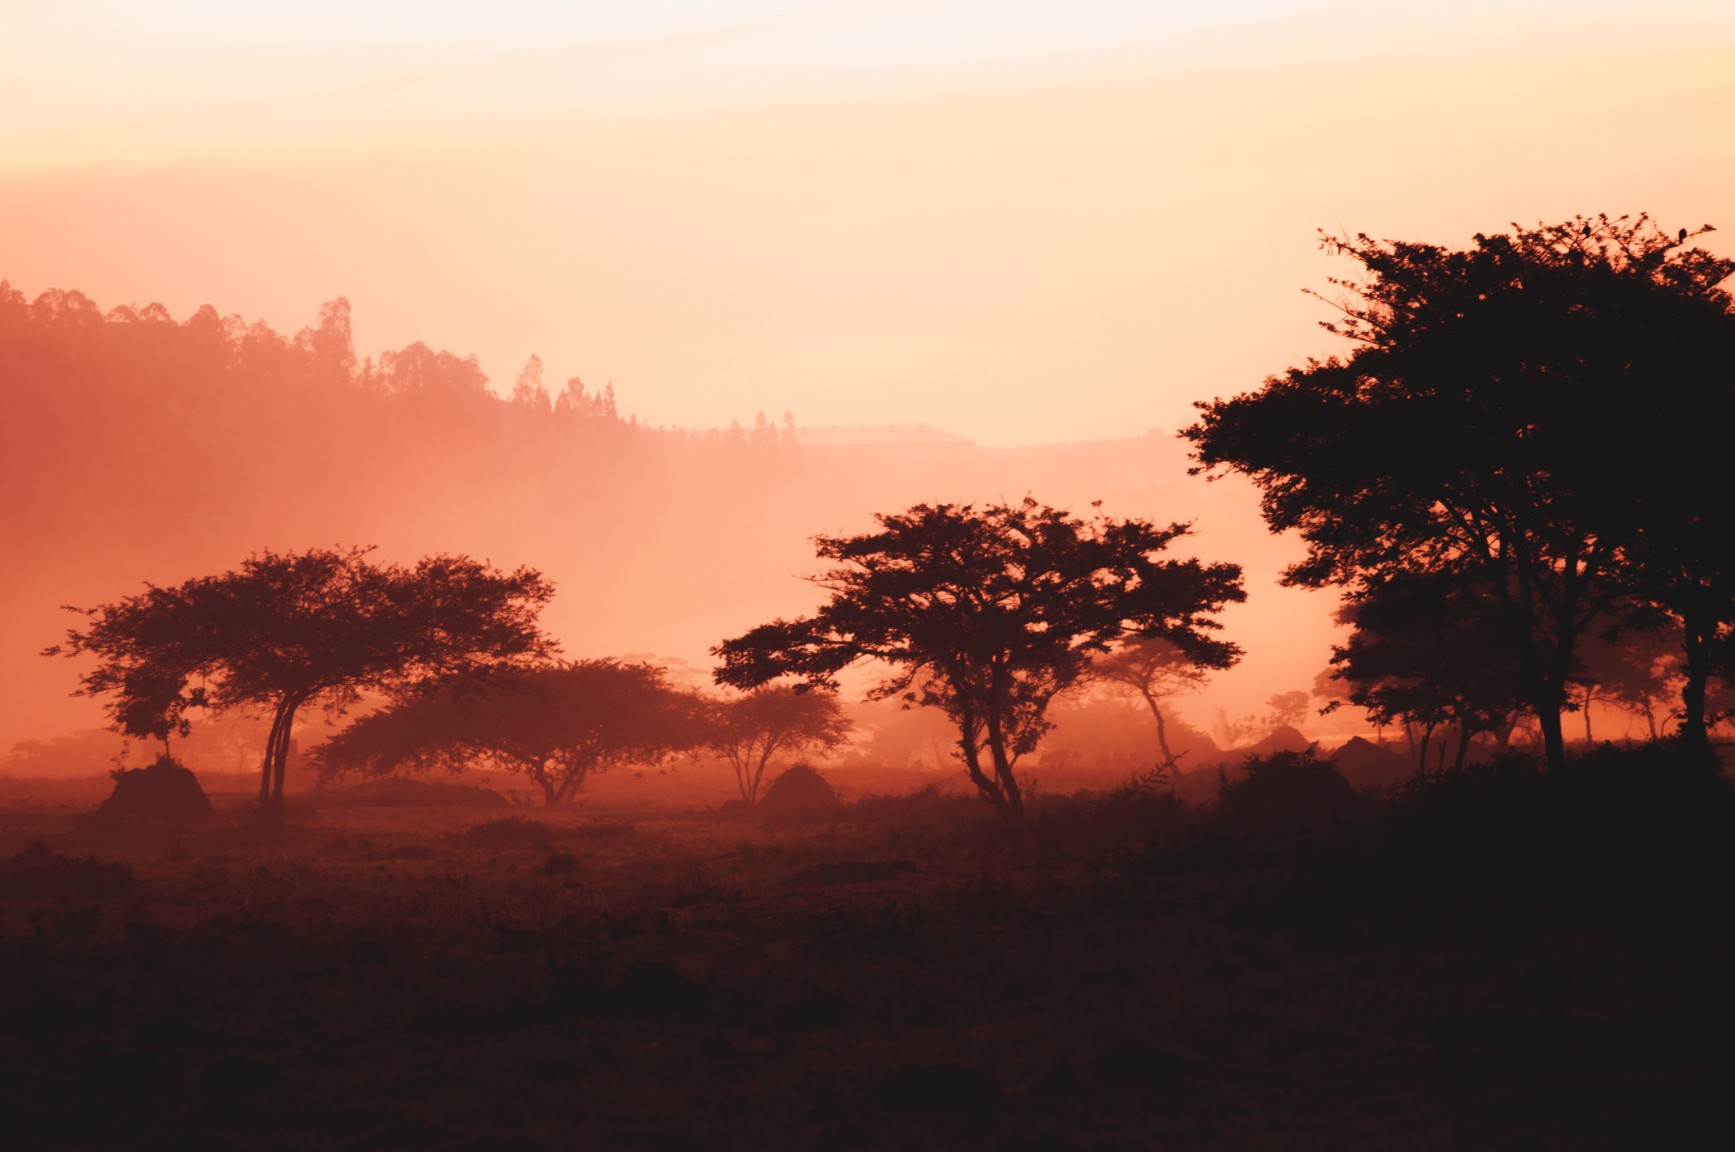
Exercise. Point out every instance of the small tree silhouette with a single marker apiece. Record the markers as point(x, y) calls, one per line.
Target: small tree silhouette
point(988, 613)
point(293, 630)
point(773, 719)
point(1156, 671)
point(557, 725)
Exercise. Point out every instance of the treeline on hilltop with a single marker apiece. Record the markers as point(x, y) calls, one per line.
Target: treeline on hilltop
point(113, 413)
point(138, 447)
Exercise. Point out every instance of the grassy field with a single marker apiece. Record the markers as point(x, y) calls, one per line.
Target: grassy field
point(899, 974)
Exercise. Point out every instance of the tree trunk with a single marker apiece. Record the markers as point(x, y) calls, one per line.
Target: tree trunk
point(1162, 730)
point(279, 737)
point(758, 776)
point(282, 765)
point(1695, 732)
point(738, 762)
point(969, 730)
point(265, 764)
point(973, 765)
point(546, 782)
point(1553, 739)
point(571, 782)
point(1010, 801)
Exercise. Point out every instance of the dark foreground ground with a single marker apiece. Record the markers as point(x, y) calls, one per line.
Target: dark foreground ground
point(901, 975)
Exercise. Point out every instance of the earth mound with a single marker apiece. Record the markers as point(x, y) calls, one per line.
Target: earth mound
point(800, 791)
point(164, 790)
point(1367, 765)
point(1283, 738)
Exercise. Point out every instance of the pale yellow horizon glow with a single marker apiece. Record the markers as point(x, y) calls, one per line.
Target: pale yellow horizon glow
point(1012, 221)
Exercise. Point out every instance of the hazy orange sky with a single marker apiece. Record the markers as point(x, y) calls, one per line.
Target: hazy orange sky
point(1021, 222)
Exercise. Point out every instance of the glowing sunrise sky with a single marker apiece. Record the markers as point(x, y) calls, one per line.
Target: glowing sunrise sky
point(1021, 222)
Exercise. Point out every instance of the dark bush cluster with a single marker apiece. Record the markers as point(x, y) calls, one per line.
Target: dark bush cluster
point(1645, 814)
point(40, 873)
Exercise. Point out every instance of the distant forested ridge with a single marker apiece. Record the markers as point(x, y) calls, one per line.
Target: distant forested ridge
point(138, 447)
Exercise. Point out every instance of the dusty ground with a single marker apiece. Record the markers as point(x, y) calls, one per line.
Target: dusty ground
point(902, 975)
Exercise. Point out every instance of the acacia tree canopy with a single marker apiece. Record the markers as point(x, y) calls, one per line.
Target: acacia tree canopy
point(1155, 670)
point(1484, 425)
point(557, 725)
point(290, 630)
point(987, 613)
point(772, 719)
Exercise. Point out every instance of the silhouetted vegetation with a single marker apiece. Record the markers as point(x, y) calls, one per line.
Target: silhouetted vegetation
point(1433, 654)
point(1284, 797)
point(1477, 953)
point(987, 615)
point(1540, 956)
point(749, 729)
point(297, 630)
point(556, 725)
point(1155, 670)
point(1526, 416)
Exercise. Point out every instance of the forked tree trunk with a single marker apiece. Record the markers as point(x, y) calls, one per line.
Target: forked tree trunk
point(1007, 795)
point(276, 764)
point(1464, 735)
point(993, 788)
point(759, 776)
point(1422, 749)
point(276, 750)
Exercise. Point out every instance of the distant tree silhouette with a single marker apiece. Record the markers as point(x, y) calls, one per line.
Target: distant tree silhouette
point(1496, 421)
point(292, 630)
point(987, 613)
point(1430, 652)
point(557, 725)
point(1633, 666)
point(773, 719)
point(529, 396)
point(1286, 709)
point(1156, 670)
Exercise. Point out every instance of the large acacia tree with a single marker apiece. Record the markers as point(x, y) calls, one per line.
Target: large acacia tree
point(987, 613)
point(1503, 420)
point(288, 631)
point(557, 725)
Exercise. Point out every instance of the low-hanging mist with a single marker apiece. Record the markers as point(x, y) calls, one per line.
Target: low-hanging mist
point(138, 447)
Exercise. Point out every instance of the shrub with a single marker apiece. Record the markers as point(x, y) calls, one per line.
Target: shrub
point(1283, 798)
